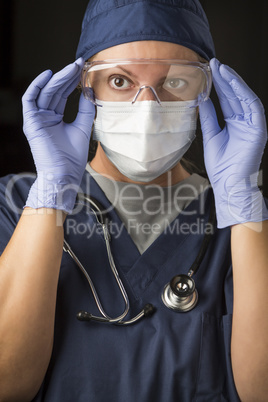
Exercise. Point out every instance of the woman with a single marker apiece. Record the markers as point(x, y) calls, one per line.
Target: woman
point(217, 348)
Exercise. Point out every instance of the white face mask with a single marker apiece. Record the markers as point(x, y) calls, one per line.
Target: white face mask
point(145, 140)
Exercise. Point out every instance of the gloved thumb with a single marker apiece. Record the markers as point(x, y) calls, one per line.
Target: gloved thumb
point(85, 115)
point(208, 120)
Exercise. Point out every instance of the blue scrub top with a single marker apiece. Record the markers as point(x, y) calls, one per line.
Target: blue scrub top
point(167, 357)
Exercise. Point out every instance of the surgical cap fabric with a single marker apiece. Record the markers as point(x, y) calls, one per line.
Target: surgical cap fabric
point(112, 22)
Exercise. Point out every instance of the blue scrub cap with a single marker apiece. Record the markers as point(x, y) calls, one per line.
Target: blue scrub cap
point(112, 22)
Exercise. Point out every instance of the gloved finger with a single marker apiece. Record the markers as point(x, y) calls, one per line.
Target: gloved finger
point(254, 113)
point(85, 115)
point(56, 83)
point(58, 102)
point(229, 102)
point(225, 106)
point(209, 121)
point(249, 100)
point(32, 92)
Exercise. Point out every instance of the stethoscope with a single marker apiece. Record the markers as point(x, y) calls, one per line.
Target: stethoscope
point(179, 294)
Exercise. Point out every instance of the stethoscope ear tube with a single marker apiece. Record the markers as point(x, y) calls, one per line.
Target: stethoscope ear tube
point(147, 311)
point(94, 206)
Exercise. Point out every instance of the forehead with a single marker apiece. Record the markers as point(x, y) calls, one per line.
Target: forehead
point(147, 49)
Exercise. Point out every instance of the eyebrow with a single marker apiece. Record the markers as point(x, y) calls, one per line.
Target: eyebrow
point(131, 74)
point(127, 71)
point(188, 75)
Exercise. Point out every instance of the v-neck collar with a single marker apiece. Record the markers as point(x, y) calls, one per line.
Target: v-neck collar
point(139, 269)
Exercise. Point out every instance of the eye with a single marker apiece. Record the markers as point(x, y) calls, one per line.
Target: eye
point(119, 82)
point(174, 83)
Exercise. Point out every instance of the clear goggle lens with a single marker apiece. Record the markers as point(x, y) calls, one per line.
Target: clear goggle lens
point(139, 79)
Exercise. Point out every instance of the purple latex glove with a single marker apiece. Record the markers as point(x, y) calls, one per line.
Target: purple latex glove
point(59, 150)
point(233, 154)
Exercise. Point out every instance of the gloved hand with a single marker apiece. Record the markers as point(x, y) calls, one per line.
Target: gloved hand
point(59, 150)
point(233, 154)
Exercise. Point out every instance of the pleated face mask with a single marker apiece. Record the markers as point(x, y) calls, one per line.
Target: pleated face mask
point(145, 139)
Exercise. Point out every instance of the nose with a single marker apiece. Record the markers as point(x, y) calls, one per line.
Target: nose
point(146, 92)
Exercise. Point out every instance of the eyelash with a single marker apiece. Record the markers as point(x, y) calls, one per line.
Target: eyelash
point(113, 77)
point(130, 83)
point(182, 82)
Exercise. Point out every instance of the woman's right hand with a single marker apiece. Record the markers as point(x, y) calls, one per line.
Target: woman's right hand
point(59, 149)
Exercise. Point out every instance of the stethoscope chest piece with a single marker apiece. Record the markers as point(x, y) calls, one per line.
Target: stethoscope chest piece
point(180, 294)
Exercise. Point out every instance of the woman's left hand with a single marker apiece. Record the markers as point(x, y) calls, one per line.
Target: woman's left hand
point(233, 154)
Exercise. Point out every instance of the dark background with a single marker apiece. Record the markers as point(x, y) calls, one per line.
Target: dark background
point(37, 35)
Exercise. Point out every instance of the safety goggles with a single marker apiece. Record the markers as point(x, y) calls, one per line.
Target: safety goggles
point(128, 80)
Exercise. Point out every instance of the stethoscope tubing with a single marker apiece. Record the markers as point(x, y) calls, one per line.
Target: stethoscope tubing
point(85, 316)
point(105, 317)
point(171, 297)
